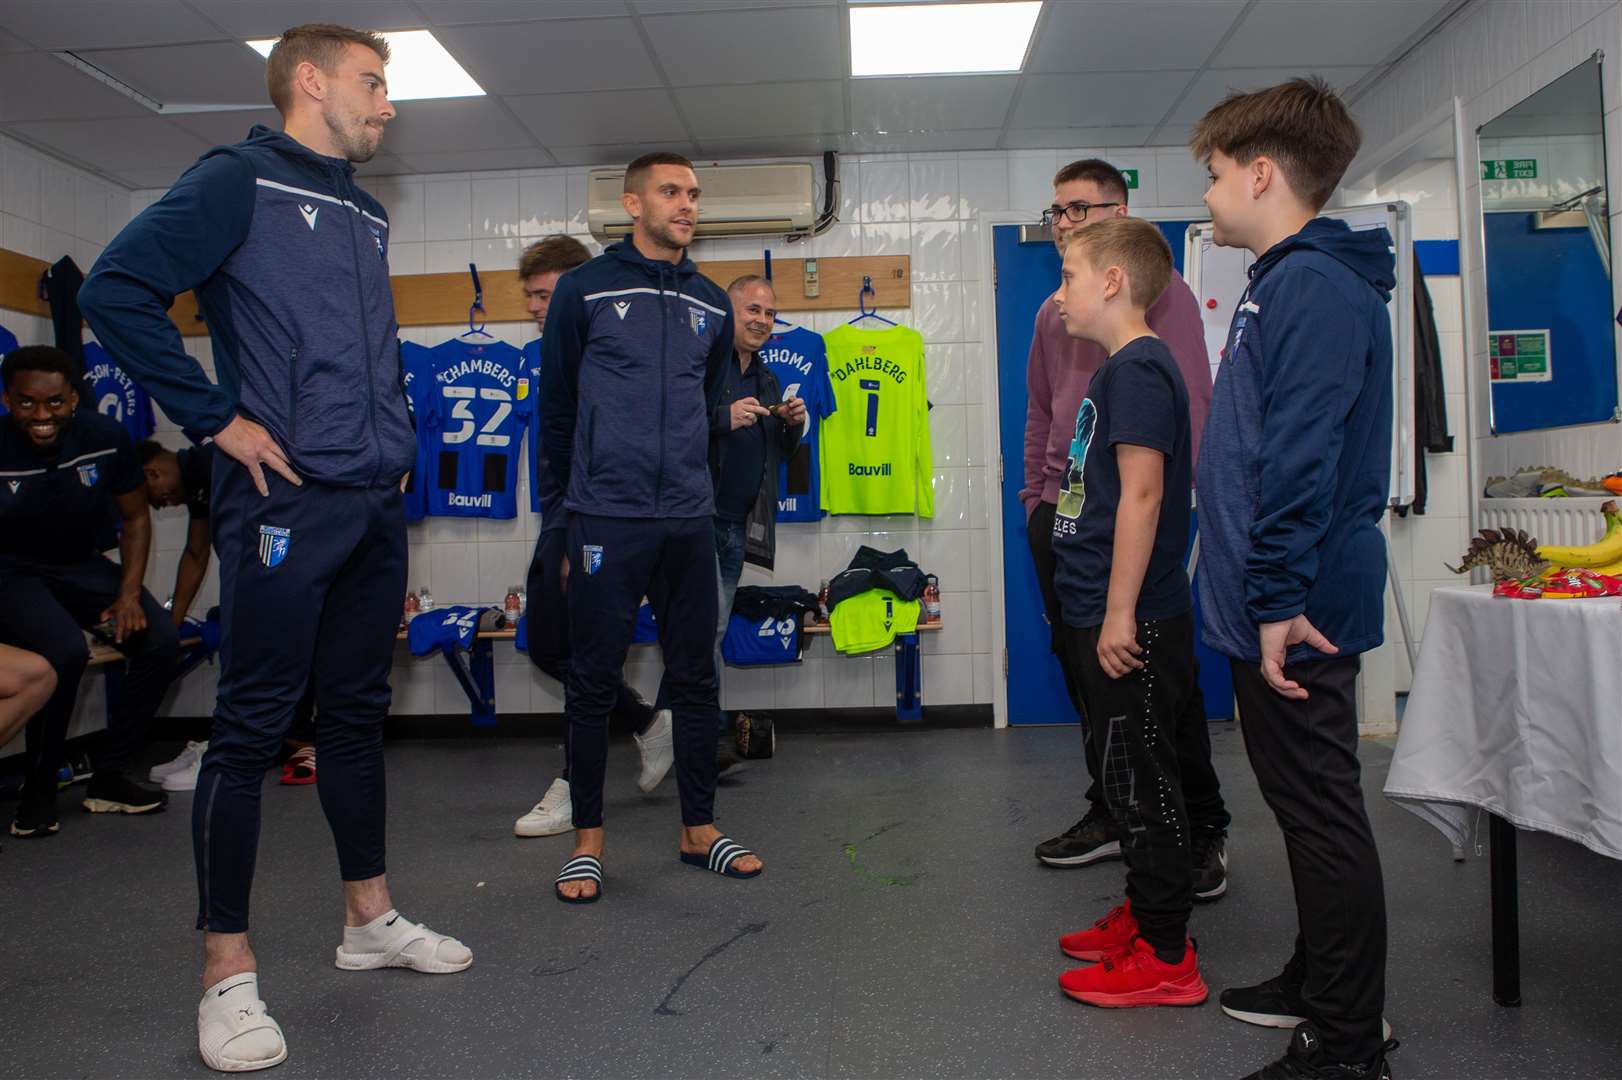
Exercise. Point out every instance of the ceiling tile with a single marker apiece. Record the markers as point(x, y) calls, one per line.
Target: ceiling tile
point(138, 142)
point(665, 7)
point(463, 13)
point(930, 103)
point(552, 57)
point(225, 128)
point(1350, 32)
point(1131, 36)
point(1129, 98)
point(1213, 86)
point(452, 124)
point(617, 155)
point(268, 19)
point(1060, 138)
point(722, 112)
point(606, 116)
point(219, 72)
point(781, 45)
point(102, 24)
point(918, 141)
point(37, 86)
point(521, 157)
point(807, 146)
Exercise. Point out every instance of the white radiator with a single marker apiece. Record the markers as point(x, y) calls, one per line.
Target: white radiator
point(1569, 522)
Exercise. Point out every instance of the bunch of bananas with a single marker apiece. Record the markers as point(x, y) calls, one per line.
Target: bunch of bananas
point(1604, 556)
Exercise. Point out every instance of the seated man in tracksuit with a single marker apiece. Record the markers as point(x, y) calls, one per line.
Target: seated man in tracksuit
point(66, 474)
point(633, 362)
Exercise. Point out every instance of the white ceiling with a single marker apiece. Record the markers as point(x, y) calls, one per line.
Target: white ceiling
point(576, 82)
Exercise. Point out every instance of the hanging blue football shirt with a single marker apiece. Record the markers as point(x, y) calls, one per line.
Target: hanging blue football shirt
point(799, 359)
point(532, 365)
point(8, 341)
point(478, 409)
point(115, 395)
point(445, 629)
point(416, 368)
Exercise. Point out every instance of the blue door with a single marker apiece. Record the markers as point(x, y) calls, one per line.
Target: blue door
point(1027, 274)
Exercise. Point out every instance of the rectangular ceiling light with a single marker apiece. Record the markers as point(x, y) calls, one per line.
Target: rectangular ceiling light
point(419, 67)
point(940, 39)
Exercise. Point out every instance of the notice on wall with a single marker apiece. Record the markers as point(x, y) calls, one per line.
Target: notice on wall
point(1509, 168)
point(1519, 356)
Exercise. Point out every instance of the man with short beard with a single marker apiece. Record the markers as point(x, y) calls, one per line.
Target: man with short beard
point(289, 260)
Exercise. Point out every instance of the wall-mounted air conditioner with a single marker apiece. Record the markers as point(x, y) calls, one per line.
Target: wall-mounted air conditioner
point(737, 200)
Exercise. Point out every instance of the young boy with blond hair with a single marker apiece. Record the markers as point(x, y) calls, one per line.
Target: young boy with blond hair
point(1292, 484)
point(1119, 536)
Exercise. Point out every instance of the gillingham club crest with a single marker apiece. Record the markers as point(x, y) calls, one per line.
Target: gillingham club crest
point(88, 474)
point(698, 319)
point(273, 544)
point(592, 557)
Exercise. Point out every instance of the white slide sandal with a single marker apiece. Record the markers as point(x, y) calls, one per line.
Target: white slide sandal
point(391, 940)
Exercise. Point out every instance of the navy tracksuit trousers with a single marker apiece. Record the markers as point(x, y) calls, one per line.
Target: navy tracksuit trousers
point(311, 584)
point(42, 608)
point(613, 563)
point(549, 634)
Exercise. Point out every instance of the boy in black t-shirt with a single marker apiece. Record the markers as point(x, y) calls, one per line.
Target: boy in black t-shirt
point(1119, 536)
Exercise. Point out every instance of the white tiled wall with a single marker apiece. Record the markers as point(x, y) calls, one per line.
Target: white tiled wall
point(1491, 56)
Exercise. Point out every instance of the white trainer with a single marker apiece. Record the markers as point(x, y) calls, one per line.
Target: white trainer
point(554, 814)
point(391, 940)
point(234, 1032)
point(184, 779)
point(657, 750)
point(188, 759)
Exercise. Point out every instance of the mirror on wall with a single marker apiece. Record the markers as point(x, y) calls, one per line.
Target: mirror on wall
point(1547, 239)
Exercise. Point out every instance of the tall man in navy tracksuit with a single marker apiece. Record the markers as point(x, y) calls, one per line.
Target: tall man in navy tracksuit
point(289, 259)
point(633, 362)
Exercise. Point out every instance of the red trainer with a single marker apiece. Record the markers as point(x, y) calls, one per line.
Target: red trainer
point(1109, 935)
point(1135, 978)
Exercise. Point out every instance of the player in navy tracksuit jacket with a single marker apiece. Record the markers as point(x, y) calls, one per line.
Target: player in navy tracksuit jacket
point(290, 261)
point(633, 359)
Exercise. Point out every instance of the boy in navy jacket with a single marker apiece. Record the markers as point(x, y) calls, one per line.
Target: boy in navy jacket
point(632, 365)
point(1291, 486)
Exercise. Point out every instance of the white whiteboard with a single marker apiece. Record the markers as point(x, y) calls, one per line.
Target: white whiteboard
point(1218, 276)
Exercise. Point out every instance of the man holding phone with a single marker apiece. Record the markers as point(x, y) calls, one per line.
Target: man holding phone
point(64, 474)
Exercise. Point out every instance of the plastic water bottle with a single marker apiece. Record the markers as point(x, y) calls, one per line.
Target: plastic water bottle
point(932, 599)
point(425, 599)
point(513, 606)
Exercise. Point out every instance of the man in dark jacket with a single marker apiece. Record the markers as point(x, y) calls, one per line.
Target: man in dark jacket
point(290, 262)
point(633, 362)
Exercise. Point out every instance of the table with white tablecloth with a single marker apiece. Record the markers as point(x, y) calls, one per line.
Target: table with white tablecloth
point(1516, 710)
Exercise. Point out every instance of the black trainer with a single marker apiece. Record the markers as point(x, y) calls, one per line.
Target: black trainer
point(1276, 1003)
point(115, 793)
point(1210, 856)
point(1305, 1060)
point(1092, 839)
point(36, 813)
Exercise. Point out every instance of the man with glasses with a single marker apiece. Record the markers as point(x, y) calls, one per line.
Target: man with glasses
point(1059, 369)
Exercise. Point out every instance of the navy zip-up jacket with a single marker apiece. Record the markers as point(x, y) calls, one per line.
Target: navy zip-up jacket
point(290, 262)
point(633, 359)
point(1295, 466)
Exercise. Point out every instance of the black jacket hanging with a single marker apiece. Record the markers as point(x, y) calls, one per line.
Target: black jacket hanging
point(59, 286)
point(1430, 395)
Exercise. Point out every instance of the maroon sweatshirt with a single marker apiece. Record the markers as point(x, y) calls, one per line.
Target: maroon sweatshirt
point(1060, 367)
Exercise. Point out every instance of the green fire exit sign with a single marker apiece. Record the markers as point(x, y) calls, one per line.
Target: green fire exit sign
point(1131, 179)
point(1509, 168)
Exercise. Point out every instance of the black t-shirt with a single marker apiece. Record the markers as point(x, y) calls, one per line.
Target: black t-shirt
point(742, 450)
point(55, 508)
point(196, 469)
point(1137, 397)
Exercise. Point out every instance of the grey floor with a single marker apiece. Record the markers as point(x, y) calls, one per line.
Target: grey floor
point(901, 929)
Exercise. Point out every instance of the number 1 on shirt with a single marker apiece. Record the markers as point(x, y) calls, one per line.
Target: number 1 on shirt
point(872, 387)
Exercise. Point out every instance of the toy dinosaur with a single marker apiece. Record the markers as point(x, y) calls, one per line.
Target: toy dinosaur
point(1510, 554)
